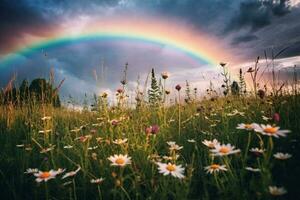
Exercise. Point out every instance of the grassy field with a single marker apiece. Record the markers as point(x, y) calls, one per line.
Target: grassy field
point(78, 147)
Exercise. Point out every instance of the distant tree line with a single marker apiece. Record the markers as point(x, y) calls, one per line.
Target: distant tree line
point(39, 91)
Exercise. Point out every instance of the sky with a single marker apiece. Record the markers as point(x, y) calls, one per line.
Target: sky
point(187, 38)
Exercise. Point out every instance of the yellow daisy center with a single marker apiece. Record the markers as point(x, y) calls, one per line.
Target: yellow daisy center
point(214, 166)
point(171, 167)
point(120, 161)
point(270, 130)
point(248, 126)
point(45, 175)
point(224, 150)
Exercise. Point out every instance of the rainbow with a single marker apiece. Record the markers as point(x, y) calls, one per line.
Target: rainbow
point(194, 44)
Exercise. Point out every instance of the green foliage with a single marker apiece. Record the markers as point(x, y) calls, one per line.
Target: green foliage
point(39, 91)
point(188, 96)
point(243, 87)
point(235, 88)
point(141, 179)
point(154, 93)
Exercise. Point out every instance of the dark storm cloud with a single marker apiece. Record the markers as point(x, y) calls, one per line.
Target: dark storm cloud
point(257, 14)
point(283, 33)
point(244, 38)
point(17, 18)
point(249, 26)
point(204, 14)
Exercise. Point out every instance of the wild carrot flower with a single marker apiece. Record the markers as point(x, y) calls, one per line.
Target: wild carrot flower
point(271, 130)
point(248, 127)
point(224, 150)
point(71, 173)
point(97, 181)
point(277, 191)
point(214, 168)
point(175, 170)
point(211, 144)
point(282, 156)
point(120, 160)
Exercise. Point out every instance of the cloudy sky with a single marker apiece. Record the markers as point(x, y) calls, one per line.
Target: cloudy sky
point(239, 29)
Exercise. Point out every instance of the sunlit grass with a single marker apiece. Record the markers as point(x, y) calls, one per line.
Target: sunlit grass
point(124, 153)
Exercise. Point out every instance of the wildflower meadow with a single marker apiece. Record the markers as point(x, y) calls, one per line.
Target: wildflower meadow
point(241, 145)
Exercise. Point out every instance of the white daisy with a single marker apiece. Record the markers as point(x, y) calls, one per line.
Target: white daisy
point(252, 169)
point(120, 141)
point(191, 140)
point(45, 175)
point(174, 170)
point(248, 127)
point(171, 157)
point(31, 171)
point(84, 138)
point(257, 151)
point(266, 118)
point(211, 144)
point(224, 150)
point(271, 130)
point(76, 130)
point(277, 191)
point(93, 148)
point(45, 150)
point(282, 156)
point(45, 131)
point(68, 147)
point(45, 118)
point(236, 112)
point(97, 181)
point(60, 171)
point(119, 160)
point(214, 168)
point(174, 146)
point(71, 173)
point(99, 139)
